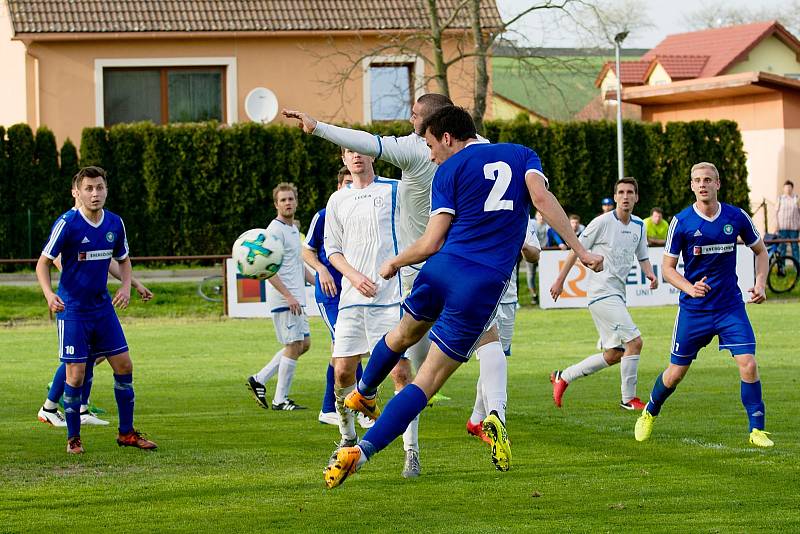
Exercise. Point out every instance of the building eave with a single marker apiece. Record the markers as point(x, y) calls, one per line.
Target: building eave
point(726, 86)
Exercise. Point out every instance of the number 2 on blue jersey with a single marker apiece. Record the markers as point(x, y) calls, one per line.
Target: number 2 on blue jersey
point(500, 173)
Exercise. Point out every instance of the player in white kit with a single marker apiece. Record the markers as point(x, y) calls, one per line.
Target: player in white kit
point(620, 237)
point(361, 223)
point(286, 298)
point(504, 321)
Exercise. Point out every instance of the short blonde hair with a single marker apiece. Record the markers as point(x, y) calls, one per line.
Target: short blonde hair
point(283, 186)
point(704, 165)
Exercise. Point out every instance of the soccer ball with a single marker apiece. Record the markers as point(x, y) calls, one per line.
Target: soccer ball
point(258, 254)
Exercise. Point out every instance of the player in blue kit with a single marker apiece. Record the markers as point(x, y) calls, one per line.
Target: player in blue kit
point(88, 327)
point(711, 303)
point(480, 192)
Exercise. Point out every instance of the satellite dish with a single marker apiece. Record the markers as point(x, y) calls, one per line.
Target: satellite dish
point(261, 105)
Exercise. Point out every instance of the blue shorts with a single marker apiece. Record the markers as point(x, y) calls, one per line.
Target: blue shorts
point(80, 340)
point(329, 313)
point(695, 329)
point(460, 297)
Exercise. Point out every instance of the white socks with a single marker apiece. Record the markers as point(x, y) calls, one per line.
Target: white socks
point(494, 378)
point(588, 366)
point(411, 435)
point(629, 376)
point(418, 352)
point(269, 370)
point(347, 419)
point(479, 409)
point(50, 405)
point(285, 376)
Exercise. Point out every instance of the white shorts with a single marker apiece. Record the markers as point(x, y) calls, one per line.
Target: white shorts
point(613, 322)
point(289, 327)
point(359, 328)
point(407, 277)
point(504, 319)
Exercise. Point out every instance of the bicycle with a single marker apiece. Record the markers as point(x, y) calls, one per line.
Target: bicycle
point(210, 288)
point(783, 270)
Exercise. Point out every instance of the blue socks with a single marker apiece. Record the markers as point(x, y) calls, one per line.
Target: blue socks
point(123, 392)
point(329, 399)
point(381, 362)
point(86, 389)
point(394, 419)
point(753, 405)
point(658, 396)
point(57, 386)
point(72, 410)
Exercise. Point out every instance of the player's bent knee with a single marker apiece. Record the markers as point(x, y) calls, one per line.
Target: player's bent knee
point(121, 363)
point(634, 346)
point(748, 368)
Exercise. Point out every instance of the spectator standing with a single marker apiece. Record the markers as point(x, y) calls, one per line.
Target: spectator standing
point(788, 218)
point(656, 227)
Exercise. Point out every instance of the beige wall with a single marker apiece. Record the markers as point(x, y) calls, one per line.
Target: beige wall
point(659, 76)
point(13, 107)
point(770, 55)
point(752, 112)
point(504, 110)
point(294, 68)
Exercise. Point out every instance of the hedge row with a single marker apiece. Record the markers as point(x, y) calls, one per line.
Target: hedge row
point(192, 188)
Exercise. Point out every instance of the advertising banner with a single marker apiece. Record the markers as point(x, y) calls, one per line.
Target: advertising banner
point(248, 297)
point(638, 287)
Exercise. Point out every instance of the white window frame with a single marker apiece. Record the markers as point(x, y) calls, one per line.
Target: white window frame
point(419, 80)
point(231, 95)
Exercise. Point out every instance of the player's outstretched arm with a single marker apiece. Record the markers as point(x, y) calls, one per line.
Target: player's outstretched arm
point(356, 140)
point(54, 302)
point(123, 295)
point(758, 292)
point(363, 285)
point(698, 289)
point(553, 213)
point(423, 248)
point(558, 286)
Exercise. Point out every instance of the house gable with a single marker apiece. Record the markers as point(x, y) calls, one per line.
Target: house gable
point(770, 55)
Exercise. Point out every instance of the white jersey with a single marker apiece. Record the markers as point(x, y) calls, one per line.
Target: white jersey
point(292, 269)
point(510, 296)
point(621, 245)
point(361, 224)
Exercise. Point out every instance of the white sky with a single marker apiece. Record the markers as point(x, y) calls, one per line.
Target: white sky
point(666, 17)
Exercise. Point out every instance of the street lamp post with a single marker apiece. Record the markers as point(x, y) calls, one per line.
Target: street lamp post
point(620, 160)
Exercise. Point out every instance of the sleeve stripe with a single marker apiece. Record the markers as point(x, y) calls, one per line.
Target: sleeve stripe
point(540, 173)
point(753, 226)
point(668, 245)
point(380, 146)
point(48, 248)
point(314, 221)
point(443, 210)
point(125, 241)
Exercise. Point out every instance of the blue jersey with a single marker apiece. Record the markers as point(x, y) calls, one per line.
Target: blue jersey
point(708, 247)
point(316, 240)
point(483, 187)
point(86, 250)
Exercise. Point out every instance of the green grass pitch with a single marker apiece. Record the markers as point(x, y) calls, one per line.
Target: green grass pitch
point(225, 465)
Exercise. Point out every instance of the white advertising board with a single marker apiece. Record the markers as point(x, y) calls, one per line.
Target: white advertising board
point(638, 287)
point(248, 297)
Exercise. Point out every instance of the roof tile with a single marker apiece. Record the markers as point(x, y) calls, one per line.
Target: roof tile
point(124, 16)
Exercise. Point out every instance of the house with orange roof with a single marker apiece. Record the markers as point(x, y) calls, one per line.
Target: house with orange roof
point(68, 64)
point(748, 73)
